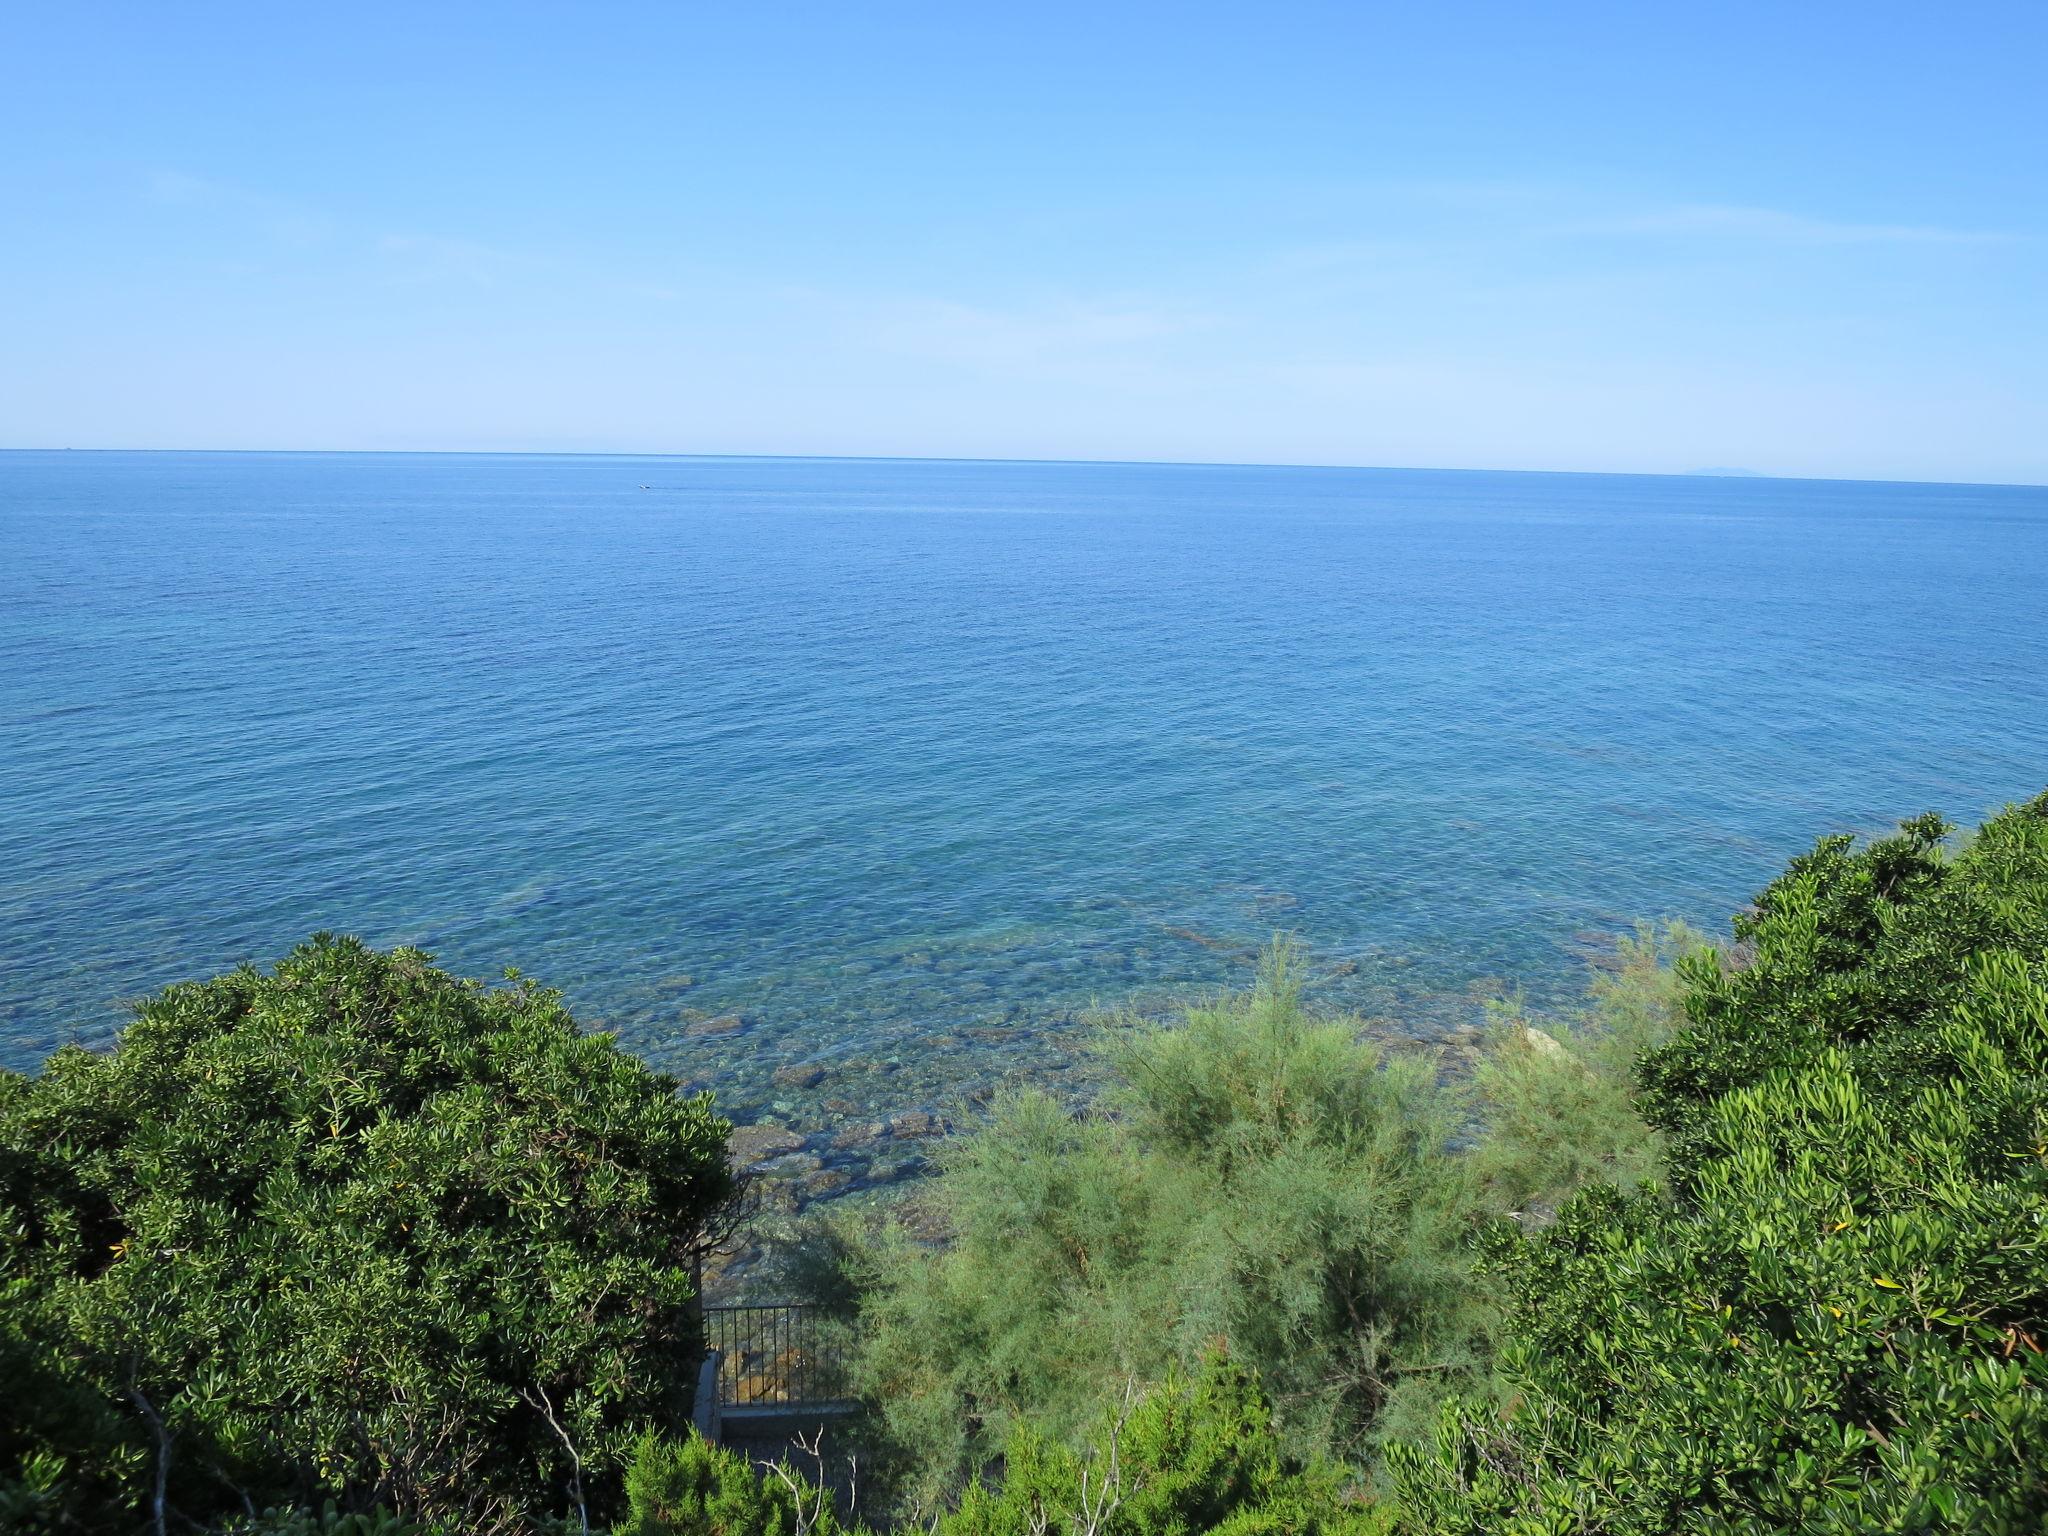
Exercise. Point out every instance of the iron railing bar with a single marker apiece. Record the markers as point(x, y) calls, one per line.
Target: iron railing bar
point(774, 1354)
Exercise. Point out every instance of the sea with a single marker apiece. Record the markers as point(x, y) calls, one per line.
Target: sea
point(870, 784)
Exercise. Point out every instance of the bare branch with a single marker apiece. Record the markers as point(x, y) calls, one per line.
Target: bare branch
point(1095, 1513)
point(538, 1397)
point(810, 1497)
point(163, 1457)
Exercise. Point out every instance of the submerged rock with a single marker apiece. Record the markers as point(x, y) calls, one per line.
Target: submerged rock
point(752, 1145)
point(893, 1172)
point(798, 1074)
point(991, 1034)
point(860, 1134)
point(822, 1183)
point(790, 1165)
point(723, 1024)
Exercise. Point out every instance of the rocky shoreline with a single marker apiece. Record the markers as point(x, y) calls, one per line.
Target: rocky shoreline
point(810, 1150)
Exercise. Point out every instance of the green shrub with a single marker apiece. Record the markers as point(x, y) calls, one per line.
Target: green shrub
point(688, 1488)
point(326, 1521)
point(1557, 1099)
point(358, 1230)
point(1834, 1320)
point(67, 1454)
point(1254, 1177)
point(1197, 1454)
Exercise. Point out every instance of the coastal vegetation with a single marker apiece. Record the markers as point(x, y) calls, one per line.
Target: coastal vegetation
point(1833, 1316)
point(1254, 1174)
point(1195, 1452)
point(1759, 1242)
point(353, 1231)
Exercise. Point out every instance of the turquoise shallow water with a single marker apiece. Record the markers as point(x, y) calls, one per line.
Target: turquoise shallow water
point(903, 763)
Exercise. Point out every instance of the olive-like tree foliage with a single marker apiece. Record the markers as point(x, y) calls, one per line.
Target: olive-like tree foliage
point(1833, 1317)
point(1254, 1175)
point(355, 1230)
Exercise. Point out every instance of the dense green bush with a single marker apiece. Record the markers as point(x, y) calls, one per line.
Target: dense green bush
point(1833, 1318)
point(1254, 1176)
point(354, 1230)
point(685, 1487)
point(1198, 1453)
point(327, 1521)
point(68, 1454)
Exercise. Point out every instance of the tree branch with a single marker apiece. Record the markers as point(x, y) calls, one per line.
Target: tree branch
point(538, 1397)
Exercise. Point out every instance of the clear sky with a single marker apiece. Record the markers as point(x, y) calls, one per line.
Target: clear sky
point(1806, 237)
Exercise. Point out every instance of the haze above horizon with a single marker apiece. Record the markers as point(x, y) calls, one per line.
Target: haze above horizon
point(1808, 242)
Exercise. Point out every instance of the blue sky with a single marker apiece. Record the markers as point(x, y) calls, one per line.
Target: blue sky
point(1804, 238)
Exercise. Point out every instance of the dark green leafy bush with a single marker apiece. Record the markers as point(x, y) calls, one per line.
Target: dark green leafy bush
point(327, 1521)
point(67, 1454)
point(1834, 1320)
point(356, 1230)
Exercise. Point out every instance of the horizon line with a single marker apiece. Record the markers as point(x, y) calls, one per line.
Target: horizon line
point(911, 458)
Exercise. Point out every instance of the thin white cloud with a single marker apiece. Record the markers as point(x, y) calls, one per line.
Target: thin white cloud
point(985, 336)
point(1496, 228)
point(1773, 225)
point(277, 220)
point(256, 219)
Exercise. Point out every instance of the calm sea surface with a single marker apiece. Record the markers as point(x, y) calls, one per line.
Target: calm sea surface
point(903, 763)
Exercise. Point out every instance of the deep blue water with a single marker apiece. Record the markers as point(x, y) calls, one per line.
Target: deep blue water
point(904, 761)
